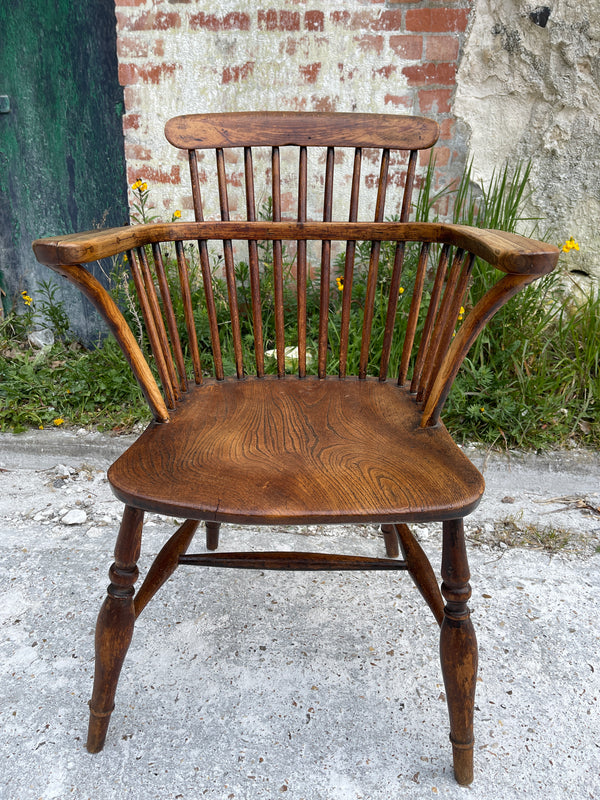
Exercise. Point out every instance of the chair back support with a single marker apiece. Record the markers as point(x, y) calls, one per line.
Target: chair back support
point(265, 282)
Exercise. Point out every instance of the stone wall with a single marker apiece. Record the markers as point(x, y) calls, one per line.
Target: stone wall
point(528, 87)
point(177, 56)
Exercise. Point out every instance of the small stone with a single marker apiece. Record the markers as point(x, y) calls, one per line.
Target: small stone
point(40, 339)
point(76, 516)
point(508, 499)
point(94, 532)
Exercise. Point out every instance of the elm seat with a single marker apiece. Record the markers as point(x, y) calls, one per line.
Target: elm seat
point(279, 451)
point(361, 440)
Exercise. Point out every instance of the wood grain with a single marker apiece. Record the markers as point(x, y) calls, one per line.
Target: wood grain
point(297, 451)
point(267, 129)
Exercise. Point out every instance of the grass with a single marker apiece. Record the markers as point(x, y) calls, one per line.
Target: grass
point(532, 380)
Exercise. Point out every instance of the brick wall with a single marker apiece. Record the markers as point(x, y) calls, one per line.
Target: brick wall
point(184, 56)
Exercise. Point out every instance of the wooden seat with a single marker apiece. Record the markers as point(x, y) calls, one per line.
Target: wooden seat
point(283, 451)
point(354, 434)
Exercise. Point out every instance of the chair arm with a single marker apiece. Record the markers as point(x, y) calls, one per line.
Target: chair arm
point(470, 329)
point(113, 317)
point(508, 252)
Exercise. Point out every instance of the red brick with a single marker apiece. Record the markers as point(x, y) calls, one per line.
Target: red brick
point(384, 72)
point(132, 47)
point(361, 20)
point(323, 103)
point(273, 20)
point(388, 21)
point(235, 21)
point(237, 73)
point(370, 42)
point(441, 48)
point(409, 47)
point(152, 175)
point(131, 121)
point(446, 128)
point(310, 72)
point(132, 73)
point(397, 100)
point(436, 20)
point(427, 74)
point(129, 2)
point(159, 48)
point(136, 151)
point(148, 21)
point(435, 101)
point(314, 20)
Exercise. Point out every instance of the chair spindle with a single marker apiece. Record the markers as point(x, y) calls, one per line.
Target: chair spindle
point(301, 267)
point(169, 314)
point(413, 314)
point(151, 328)
point(436, 292)
point(230, 267)
point(325, 265)
point(188, 310)
point(349, 265)
point(253, 264)
point(278, 264)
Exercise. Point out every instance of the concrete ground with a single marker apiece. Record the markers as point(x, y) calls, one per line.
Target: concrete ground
point(304, 686)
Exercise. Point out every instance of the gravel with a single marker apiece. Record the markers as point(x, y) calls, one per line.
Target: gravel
point(244, 685)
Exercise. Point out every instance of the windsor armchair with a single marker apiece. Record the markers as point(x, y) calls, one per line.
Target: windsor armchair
point(355, 434)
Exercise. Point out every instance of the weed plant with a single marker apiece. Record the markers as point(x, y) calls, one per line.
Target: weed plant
point(532, 379)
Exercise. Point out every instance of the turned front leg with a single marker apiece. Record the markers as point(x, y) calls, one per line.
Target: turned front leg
point(114, 628)
point(458, 649)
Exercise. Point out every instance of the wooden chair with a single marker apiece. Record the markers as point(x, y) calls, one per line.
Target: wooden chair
point(363, 444)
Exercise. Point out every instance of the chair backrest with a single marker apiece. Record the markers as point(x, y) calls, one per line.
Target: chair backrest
point(265, 283)
point(393, 142)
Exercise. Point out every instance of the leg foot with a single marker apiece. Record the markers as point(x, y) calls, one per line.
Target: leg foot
point(458, 649)
point(463, 764)
point(114, 628)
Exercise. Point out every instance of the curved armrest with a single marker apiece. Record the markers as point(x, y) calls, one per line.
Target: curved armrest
point(508, 252)
point(111, 314)
point(522, 259)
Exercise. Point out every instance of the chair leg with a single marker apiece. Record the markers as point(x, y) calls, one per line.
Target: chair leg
point(458, 649)
point(390, 538)
point(212, 535)
point(114, 628)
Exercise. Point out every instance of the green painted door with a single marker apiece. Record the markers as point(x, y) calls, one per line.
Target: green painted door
point(62, 166)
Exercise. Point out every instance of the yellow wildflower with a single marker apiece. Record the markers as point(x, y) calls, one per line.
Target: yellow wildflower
point(176, 214)
point(58, 421)
point(26, 298)
point(401, 290)
point(570, 244)
point(144, 187)
point(340, 283)
point(41, 427)
point(135, 186)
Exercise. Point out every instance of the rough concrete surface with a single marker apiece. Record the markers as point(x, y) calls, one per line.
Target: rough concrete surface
point(246, 685)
